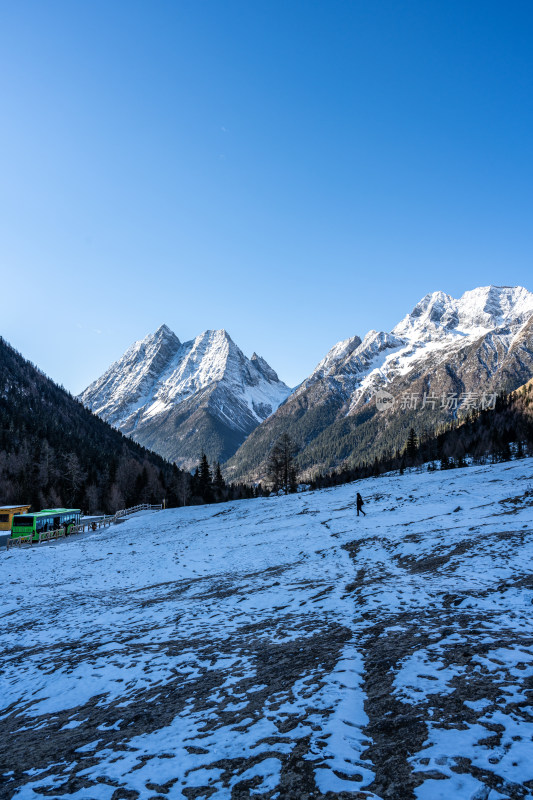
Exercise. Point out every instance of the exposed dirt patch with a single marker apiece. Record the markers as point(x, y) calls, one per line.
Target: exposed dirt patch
point(397, 729)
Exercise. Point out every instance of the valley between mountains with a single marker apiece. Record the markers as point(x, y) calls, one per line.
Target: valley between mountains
point(205, 395)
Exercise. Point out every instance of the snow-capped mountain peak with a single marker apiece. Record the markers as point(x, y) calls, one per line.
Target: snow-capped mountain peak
point(445, 347)
point(439, 315)
point(440, 326)
point(264, 368)
point(128, 381)
point(159, 384)
point(159, 337)
point(335, 357)
point(163, 329)
point(490, 307)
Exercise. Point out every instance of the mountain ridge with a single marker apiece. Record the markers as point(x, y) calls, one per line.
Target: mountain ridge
point(179, 398)
point(483, 340)
point(187, 397)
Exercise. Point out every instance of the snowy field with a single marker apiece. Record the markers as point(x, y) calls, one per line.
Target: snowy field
point(280, 648)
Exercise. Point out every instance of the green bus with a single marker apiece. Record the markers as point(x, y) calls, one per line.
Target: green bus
point(50, 519)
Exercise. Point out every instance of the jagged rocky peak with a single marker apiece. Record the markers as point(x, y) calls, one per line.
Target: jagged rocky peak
point(432, 304)
point(213, 356)
point(167, 394)
point(219, 342)
point(164, 330)
point(336, 355)
point(374, 344)
point(378, 340)
point(156, 347)
point(161, 335)
point(151, 351)
point(216, 342)
point(476, 312)
point(435, 311)
point(353, 355)
point(495, 306)
point(264, 368)
point(129, 378)
point(214, 337)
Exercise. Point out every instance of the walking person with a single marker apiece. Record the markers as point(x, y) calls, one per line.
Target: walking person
point(360, 503)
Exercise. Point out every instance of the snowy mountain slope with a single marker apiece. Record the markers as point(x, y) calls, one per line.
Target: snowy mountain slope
point(179, 399)
point(482, 342)
point(280, 648)
point(129, 383)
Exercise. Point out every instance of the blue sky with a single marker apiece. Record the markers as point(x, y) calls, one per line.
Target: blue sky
point(295, 172)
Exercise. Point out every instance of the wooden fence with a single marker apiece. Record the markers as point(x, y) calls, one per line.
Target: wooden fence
point(127, 512)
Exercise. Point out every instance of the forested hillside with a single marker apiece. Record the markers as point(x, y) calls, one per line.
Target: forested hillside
point(54, 452)
point(495, 435)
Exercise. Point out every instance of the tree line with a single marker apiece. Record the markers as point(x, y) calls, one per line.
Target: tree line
point(480, 437)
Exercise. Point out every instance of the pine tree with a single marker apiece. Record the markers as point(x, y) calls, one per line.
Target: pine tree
point(219, 480)
point(205, 479)
point(293, 479)
point(281, 466)
point(412, 445)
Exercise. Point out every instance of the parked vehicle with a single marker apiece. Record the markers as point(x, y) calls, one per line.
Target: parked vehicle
point(50, 519)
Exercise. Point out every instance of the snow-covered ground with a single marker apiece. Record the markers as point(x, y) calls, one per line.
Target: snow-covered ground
point(280, 648)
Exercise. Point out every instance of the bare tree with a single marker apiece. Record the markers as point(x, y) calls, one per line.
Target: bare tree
point(183, 488)
point(75, 476)
point(92, 499)
point(116, 498)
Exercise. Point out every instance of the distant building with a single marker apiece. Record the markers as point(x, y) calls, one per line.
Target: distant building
point(6, 515)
